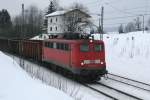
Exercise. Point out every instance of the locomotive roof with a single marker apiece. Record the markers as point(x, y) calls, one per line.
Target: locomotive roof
point(71, 41)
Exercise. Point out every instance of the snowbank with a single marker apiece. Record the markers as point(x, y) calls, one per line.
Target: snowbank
point(129, 55)
point(41, 37)
point(15, 84)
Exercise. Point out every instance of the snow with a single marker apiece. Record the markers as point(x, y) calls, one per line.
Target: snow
point(40, 37)
point(16, 84)
point(56, 13)
point(128, 55)
point(128, 89)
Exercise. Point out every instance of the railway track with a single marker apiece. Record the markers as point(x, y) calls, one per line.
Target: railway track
point(111, 92)
point(99, 91)
point(130, 82)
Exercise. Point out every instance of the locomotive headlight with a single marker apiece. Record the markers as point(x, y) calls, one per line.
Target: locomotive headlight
point(82, 63)
point(91, 41)
point(102, 62)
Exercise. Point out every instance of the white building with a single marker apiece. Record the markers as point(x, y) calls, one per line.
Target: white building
point(66, 21)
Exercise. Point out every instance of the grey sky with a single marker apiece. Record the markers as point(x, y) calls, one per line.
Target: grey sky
point(113, 8)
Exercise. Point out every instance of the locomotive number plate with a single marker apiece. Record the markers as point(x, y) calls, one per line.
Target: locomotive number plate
point(91, 61)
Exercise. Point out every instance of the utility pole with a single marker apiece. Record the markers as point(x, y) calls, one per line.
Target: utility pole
point(99, 26)
point(22, 34)
point(22, 39)
point(102, 19)
point(143, 23)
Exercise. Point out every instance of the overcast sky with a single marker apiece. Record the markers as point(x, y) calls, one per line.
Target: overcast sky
point(113, 8)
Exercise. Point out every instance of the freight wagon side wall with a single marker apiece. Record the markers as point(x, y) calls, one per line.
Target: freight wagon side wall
point(14, 46)
point(27, 48)
point(4, 45)
point(32, 49)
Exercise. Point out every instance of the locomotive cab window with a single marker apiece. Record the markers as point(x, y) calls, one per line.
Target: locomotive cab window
point(98, 47)
point(49, 44)
point(84, 48)
point(66, 47)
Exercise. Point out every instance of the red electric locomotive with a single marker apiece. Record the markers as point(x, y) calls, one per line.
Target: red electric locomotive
point(81, 57)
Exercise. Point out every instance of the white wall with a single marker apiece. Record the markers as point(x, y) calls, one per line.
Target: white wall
point(55, 24)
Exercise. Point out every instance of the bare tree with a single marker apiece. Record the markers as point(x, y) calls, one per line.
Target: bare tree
point(17, 22)
point(138, 24)
point(33, 19)
point(71, 21)
point(130, 27)
point(148, 24)
point(76, 5)
point(76, 17)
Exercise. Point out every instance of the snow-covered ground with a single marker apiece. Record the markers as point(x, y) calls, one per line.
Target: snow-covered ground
point(16, 84)
point(129, 55)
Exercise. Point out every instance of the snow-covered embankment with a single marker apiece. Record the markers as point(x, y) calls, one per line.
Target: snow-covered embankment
point(16, 84)
point(129, 55)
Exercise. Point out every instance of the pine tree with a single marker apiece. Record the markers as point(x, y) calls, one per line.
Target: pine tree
point(5, 22)
point(130, 27)
point(5, 19)
point(51, 8)
point(120, 30)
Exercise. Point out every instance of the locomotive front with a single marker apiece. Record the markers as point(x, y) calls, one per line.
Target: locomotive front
point(88, 58)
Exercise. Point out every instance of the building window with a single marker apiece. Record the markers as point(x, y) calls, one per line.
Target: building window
point(56, 19)
point(51, 20)
point(79, 19)
point(51, 28)
point(56, 28)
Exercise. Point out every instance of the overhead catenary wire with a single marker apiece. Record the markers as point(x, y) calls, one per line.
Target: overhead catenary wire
point(122, 11)
point(121, 19)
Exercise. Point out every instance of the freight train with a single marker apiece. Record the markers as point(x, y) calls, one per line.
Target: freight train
point(81, 57)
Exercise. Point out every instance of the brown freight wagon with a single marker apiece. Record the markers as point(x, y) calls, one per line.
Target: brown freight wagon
point(4, 45)
point(32, 49)
point(26, 48)
point(14, 46)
